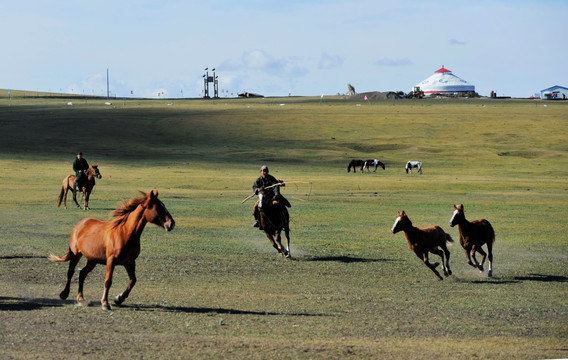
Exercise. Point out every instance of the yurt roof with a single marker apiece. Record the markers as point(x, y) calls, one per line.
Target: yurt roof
point(444, 81)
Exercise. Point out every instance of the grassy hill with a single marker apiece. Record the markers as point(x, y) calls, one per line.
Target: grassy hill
point(215, 288)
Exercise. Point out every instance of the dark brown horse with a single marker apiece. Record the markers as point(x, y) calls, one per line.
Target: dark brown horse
point(431, 239)
point(113, 243)
point(473, 235)
point(86, 187)
point(274, 218)
point(355, 164)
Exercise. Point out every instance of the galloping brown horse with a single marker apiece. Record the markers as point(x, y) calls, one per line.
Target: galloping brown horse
point(473, 235)
point(115, 242)
point(422, 241)
point(86, 187)
point(273, 219)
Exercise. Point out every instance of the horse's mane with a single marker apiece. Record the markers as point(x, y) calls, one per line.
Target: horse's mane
point(121, 213)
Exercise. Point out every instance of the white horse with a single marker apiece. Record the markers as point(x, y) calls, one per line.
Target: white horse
point(413, 164)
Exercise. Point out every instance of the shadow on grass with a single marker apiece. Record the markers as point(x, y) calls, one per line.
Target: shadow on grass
point(11, 257)
point(347, 259)
point(542, 278)
point(516, 279)
point(207, 310)
point(21, 304)
point(488, 280)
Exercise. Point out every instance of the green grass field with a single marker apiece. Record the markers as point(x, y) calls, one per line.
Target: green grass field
point(215, 288)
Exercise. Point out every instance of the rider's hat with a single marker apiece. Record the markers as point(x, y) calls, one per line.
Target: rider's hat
point(264, 167)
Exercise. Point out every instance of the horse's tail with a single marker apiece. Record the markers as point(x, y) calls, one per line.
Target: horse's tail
point(449, 238)
point(60, 198)
point(491, 232)
point(63, 258)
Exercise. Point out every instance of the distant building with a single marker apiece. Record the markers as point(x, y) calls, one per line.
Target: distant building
point(445, 82)
point(555, 92)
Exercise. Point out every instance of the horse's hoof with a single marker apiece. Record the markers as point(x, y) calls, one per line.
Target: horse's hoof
point(64, 295)
point(106, 307)
point(480, 268)
point(435, 265)
point(118, 300)
point(449, 272)
point(490, 273)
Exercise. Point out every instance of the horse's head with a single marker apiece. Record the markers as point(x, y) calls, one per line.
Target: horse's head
point(94, 171)
point(402, 222)
point(263, 198)
point(156, 213)
point(381, 165)
point(458, 216)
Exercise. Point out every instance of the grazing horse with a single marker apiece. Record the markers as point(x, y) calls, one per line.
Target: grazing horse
point(413, 164)
point(355, 164)
point(86, 187)
point(375, 163)
point(422, 241)
point(473, 235)
point(113, 243)
point(274, 218)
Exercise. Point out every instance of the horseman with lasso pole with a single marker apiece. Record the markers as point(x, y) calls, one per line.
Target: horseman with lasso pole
point(271, 188)
point(80, 166)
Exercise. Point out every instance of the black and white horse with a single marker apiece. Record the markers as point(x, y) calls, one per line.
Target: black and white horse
point(376, 163)
point(413, 164)
point(364, 164)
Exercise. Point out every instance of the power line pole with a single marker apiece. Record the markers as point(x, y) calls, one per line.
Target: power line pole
point(108, 93)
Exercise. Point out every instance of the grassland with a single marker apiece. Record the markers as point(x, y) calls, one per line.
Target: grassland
point(215, 288)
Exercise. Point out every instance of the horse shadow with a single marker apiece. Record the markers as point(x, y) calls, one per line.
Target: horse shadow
point(517, 279)
point(211, 310)
point(346, 259)
point(30, 304)
point(542, 278)
point(12, 257)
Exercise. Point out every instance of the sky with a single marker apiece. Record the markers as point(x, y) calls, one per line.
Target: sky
point(161, 48)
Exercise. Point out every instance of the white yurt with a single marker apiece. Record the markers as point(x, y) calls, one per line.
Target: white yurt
point(445, 82)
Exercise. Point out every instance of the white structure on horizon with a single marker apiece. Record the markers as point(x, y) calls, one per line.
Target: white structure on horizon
point(444, 82)
point(555, 92)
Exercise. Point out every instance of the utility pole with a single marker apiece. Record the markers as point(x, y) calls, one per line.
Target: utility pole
point(108, 93)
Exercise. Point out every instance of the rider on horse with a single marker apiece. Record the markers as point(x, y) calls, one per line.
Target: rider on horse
point(80, 166)
point(265, 180)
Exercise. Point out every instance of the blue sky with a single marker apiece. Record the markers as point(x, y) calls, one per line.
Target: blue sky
point(277, 48)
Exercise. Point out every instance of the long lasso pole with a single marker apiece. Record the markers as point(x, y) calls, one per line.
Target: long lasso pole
point(278, 184)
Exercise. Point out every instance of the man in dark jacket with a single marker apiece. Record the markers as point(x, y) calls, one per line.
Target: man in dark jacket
point(80, 166)
point(265, 180)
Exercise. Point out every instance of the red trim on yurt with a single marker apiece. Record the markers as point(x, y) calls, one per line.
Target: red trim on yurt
point(443, 70)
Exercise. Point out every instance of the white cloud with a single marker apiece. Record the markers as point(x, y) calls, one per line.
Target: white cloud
point(327, 61)
point(457, 42)
point(394, 62)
